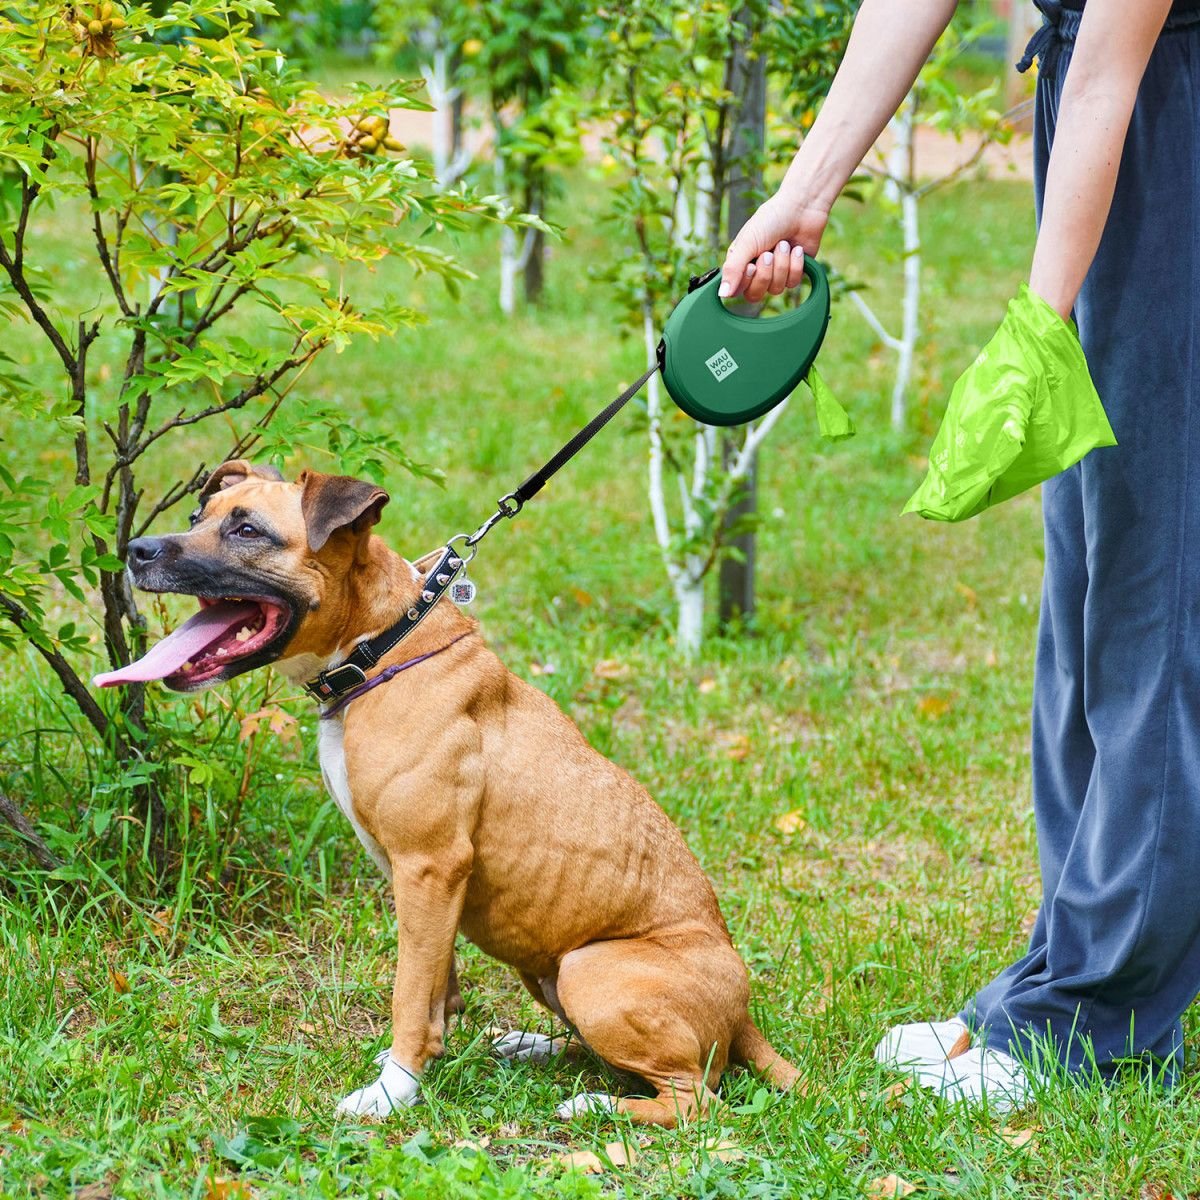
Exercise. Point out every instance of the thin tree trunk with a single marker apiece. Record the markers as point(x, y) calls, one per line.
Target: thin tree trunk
point(535, 256)
point(748, 78)
point(508, 236)
point(689, 629)
point(441, 97)
point(912, 304)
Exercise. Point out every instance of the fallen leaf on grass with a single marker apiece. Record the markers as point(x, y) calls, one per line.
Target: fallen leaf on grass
point(968, 594)
point(580, 1160)
point(1017, 1137)
point(582, 598)
point(160, 922)
point(228, 1189)
point(1155, 1191)
point(707, 685)
point(888, 1186)
point(738, 748)
point(620, 1155)
point(590, 1163)
point(119, 980)
point(92, 1191)
point(479, 1144)
point(961, 1045)
point(933, 706)
point(610, 668)
point(893, 1092)
point(790, 822)
point(306, 1027)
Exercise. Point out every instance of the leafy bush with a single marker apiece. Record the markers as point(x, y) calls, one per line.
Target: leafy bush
point(213, 179)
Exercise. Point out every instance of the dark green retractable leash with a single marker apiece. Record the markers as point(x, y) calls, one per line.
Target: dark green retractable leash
point(718, 366)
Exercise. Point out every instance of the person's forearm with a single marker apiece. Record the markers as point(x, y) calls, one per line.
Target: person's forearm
point(1112, 49)
point(888, 46)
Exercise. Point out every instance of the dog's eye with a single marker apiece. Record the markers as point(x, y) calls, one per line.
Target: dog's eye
point(246, 531)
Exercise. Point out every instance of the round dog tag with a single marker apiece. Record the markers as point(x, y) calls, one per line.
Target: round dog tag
point(462, 591)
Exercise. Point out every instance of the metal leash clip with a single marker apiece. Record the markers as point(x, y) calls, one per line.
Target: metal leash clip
point(463, 590)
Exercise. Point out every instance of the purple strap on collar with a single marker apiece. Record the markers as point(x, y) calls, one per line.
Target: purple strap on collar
point(383, 676)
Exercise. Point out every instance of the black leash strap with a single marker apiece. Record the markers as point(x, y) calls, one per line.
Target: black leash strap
point(511, 504)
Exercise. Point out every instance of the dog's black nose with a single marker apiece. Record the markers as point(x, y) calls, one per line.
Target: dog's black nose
point(144, 550)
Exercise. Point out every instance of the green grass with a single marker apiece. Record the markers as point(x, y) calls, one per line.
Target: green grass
point(152, 1043)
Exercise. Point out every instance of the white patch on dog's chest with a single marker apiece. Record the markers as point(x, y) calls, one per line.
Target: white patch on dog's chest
point(332, 754)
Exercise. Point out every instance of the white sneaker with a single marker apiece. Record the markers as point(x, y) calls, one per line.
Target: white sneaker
point(927, 1043)
point(979, 1075)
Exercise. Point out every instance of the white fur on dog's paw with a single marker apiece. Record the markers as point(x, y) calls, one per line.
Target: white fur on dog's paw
point(586, 1102)
point(395, 1088)
point(519, 1045)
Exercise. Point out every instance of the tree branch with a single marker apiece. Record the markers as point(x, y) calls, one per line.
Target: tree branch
point(98, 230)
point(892, 343)
point(41, 853)
point(259, 385)
point(72, 684)
point(178, 491)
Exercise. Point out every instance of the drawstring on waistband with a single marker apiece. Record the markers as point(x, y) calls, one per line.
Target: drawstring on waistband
point(1046, 42)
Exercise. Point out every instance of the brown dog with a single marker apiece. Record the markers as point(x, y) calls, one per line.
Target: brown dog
point(473, 792)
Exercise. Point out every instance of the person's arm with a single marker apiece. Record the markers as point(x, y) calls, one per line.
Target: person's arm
point(1111, 51)
point(888, 46)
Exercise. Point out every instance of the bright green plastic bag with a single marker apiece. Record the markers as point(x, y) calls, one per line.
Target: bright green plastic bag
point(1024, 410)
point(832, 419)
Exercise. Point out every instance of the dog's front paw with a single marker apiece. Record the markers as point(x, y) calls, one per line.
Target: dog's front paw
point(586, 1102)
point(519, 1045)
point(395, 1088)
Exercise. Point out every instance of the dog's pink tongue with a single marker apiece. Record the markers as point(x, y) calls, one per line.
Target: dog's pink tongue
point(195, 634)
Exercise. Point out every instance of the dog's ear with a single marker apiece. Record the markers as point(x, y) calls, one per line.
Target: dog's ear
point(333, 502)
point(237, 470)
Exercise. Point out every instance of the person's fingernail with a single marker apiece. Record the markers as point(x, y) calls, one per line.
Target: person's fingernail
point(766, 259)
point(749, 270)
point(724, 291)
point(782, 249)
point(797, 251)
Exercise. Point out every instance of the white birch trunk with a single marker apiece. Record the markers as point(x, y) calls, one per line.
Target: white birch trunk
point(896, 164)
point(509, 258)
point(689, 628)
point(910, 327)
point(687, 582)
point(442, 97)
point(658, 499)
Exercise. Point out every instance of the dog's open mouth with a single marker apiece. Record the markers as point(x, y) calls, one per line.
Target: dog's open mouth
point(226, 630)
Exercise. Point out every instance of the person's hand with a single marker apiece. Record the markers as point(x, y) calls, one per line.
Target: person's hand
point(778, 236)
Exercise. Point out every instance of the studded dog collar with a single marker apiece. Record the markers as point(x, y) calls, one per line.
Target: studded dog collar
point(336, 682)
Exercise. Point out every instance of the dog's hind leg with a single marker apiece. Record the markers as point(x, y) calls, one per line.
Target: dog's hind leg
point(666, 1014)
point(454, 1001)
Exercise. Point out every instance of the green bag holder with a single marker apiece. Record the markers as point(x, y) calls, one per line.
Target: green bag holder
point(1025, 410)
point(723, 368)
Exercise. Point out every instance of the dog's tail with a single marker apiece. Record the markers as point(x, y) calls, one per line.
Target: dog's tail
point(750, 1049)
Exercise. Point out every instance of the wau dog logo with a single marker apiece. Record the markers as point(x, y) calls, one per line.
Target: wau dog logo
point(722, 364)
